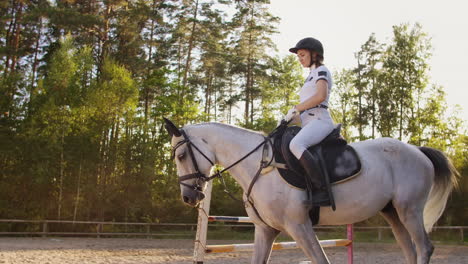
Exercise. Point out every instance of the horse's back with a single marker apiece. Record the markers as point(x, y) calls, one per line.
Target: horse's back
point(403, 158)
point(387, 164)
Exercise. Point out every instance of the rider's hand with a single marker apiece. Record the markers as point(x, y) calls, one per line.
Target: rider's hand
point(292, 113)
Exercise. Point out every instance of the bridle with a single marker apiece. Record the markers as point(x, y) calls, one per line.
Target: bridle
point(202, 178)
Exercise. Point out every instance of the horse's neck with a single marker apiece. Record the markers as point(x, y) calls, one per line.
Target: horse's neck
point(231, 144)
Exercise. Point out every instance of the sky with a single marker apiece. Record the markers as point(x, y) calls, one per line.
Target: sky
point(344, 25)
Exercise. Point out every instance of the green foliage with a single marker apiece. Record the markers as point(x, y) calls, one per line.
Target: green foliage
point(278, 91)
point(388, 94)
point(84, 87)
point(116, 92)
point(342, 100)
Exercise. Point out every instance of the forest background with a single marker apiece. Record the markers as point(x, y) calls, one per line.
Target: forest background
point(84, 86)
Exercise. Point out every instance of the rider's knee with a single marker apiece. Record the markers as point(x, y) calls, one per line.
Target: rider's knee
point(296, 148)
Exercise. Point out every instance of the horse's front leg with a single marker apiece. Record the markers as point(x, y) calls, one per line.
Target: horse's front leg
point(305, 237)
point(264, 238)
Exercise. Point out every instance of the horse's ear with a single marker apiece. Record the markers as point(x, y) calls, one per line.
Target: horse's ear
point(171, 128)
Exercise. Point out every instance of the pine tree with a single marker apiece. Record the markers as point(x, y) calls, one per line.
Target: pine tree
point(254, 26)
point(343, 101)
point(405, 69)
point(367, 74)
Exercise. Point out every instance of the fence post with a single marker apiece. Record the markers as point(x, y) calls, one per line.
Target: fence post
point(99, 227)
point(461, 235)
point(148, 231)
point(202, 227)
point(44, 229)
point(380, 233)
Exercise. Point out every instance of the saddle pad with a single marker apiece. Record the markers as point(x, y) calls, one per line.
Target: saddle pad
point(341, 160)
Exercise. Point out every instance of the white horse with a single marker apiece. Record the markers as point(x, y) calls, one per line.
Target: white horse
point(407, 185)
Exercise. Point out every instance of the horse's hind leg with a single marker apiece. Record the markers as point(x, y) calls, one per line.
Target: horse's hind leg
point(401, 234)
point(306, 239)
point(264, 238)
point(412, 218)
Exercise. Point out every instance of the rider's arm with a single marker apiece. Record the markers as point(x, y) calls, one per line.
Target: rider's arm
point(316, 99)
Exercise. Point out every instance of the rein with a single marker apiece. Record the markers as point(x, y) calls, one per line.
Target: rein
point(202, 178)
point(198, 174)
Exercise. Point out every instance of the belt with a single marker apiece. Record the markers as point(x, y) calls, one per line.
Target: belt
point(317, 106)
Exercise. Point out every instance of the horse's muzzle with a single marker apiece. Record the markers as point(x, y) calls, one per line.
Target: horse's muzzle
point(193, 197)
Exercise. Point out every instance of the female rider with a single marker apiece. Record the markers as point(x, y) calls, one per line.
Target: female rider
point(314, 116)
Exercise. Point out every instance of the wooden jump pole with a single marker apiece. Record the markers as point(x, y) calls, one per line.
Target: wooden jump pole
point(276, 246)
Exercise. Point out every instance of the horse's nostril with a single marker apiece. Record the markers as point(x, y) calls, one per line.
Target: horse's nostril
point(201, 196)
point(186, 199)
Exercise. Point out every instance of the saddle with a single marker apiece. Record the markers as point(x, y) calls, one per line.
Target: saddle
point(341, 160)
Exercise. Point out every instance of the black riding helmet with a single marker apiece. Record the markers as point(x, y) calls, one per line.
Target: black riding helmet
point(310, 44)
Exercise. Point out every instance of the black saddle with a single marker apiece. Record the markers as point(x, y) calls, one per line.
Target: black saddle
point(342, 161)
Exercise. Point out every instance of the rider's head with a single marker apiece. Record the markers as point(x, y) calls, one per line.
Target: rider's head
point(309, 51)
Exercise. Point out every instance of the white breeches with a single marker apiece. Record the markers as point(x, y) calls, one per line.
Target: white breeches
point(316, 125)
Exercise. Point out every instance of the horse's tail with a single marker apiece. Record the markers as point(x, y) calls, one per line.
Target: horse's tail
point(445, 179)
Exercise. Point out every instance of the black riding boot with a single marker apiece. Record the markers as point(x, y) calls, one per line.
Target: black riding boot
point(311, 164)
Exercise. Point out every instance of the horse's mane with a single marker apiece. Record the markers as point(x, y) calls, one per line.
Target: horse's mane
point(227, 126)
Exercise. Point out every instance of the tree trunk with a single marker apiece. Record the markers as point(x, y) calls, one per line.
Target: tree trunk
point(150, 54)
point(207, 94)
point(179, 68)
point(373, 108)
point(104, 37)
point(360, 117)
point(252, 98)
point(101, 177)
point(16, 40)
point(59, 213)
point(215, 100)
point(401, 115)
point(190, 47)
point(9, 31)
point(77, 198)
point(247, 96)
point(34, 66)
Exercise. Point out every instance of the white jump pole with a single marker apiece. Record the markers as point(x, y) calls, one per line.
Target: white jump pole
point(236, 219)
point(202, 226)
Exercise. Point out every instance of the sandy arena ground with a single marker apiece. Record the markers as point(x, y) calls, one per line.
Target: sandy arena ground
point(133, 251)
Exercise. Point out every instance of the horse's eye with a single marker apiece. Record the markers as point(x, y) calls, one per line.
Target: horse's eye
point(181, 156)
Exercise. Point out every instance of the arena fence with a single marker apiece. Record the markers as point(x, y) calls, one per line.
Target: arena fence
point(132, 229)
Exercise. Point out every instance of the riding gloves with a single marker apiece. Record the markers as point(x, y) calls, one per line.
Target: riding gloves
point(292, 113)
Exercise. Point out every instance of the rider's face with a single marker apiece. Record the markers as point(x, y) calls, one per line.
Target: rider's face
point(304, 57)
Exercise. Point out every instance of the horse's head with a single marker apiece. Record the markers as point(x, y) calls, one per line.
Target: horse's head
point(194, 159)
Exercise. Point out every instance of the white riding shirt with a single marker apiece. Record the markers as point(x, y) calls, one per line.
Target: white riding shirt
point(310, 86)
point(316, 122)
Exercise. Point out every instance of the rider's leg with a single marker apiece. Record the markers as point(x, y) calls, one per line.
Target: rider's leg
point(311, 134)
point(315, 174)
